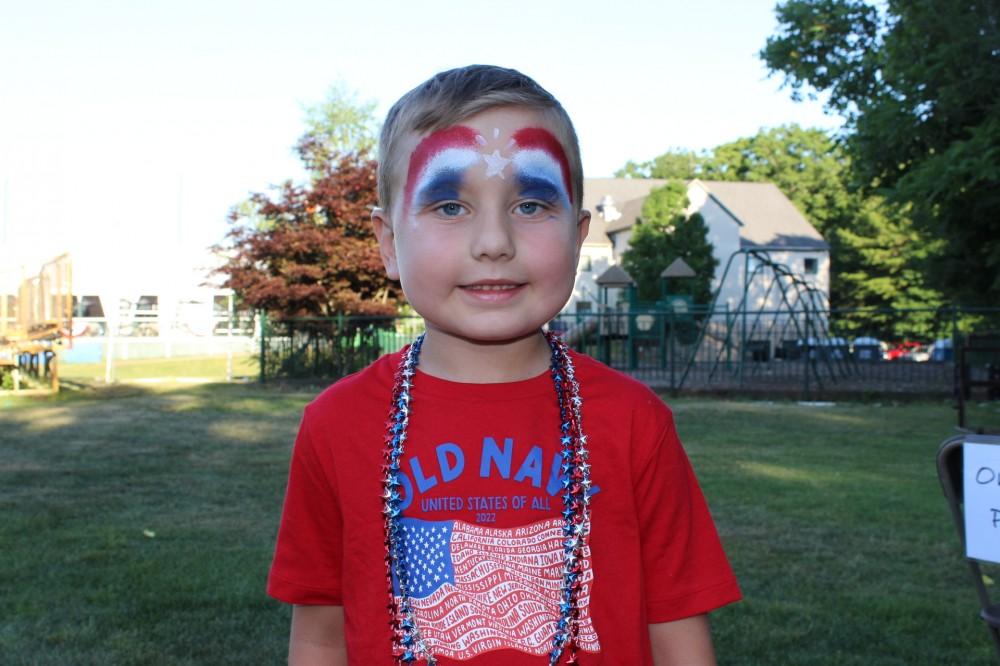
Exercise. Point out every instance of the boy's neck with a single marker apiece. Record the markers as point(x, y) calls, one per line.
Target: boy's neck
point(460, 360)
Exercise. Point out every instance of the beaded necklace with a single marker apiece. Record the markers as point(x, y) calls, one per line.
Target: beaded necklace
point(409, 644)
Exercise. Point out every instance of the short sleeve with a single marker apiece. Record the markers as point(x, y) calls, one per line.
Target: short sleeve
point(685, 571)
point(307, 566)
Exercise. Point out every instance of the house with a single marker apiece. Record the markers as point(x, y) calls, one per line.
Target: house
point(150, 305)
point(740, 217)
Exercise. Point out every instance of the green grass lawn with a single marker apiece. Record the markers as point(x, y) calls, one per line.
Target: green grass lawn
point(199, 367)
point(138, 525)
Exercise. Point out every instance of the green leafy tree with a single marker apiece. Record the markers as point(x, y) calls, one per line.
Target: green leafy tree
point(804, 163)
point(919, 86)
point(676, 163)
point(888, 254)
point(339, 125)
point(664, 233)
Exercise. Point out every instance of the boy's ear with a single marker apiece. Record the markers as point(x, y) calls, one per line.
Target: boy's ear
point(582, 227)
point(386, 242)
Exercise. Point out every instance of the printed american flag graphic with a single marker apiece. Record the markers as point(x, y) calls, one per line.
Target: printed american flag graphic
point(477, 589)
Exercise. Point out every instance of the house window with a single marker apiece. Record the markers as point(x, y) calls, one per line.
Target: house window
point(147, 307)
point(148, 304)
point(812, 266)
point(220, 305)
point(87, 306)
point(585, 265)
point(583, 306)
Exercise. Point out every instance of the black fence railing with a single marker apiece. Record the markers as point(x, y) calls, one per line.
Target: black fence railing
point(806, 353)
point(319, 347)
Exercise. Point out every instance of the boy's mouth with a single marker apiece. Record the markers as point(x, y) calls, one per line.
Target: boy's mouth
point(492, 291)
point(491, 285)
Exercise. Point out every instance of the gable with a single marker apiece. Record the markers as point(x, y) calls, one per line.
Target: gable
point(766, 217)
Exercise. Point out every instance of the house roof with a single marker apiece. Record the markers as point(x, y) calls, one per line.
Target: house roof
point(767, 218)
point(627, 194)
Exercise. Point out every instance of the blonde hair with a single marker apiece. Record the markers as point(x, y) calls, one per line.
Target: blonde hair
point(450, 97)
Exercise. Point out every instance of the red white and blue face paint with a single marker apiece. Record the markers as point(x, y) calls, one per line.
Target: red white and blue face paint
point(532, 157)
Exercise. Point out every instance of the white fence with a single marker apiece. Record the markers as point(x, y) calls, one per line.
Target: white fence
point(92, 343)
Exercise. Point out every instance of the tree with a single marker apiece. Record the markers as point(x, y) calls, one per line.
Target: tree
point(664, 233)
point(885, 268)
point(804, 163)
point(919, 86)
point(676, 163)
point(311, 251)
point(340, 124)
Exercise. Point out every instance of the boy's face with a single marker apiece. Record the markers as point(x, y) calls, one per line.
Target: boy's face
point(483, 234)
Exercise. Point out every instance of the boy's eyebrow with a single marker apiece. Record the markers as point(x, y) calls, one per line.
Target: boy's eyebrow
point(538, 187)
point(445, 184)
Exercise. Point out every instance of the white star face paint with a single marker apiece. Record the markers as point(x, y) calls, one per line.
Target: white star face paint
point(495, 164)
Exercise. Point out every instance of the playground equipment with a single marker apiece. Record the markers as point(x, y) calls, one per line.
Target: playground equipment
point(780, 314)
point(631, 333)
point(761, 311)
point(41, 321)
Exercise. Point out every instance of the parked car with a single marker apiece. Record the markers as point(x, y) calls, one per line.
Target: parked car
point(902, 351)
point(826, 348)
point(868, 349)
point(942, 350)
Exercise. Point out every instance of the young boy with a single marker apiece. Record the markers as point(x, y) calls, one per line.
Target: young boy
point(486, 496)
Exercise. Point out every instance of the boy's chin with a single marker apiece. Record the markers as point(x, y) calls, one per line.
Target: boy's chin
point(486, 335)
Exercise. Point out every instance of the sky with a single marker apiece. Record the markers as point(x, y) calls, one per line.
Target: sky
point(128, 129)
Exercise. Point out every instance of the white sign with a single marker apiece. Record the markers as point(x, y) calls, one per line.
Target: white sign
point(981, 484)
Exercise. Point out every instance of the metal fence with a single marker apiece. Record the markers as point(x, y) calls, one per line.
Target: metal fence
point(319, 347)
point(806, 353)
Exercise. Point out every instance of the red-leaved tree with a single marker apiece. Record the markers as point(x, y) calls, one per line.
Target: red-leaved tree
point(309, 250)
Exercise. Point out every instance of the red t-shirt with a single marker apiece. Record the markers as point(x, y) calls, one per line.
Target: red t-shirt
point(482, 519)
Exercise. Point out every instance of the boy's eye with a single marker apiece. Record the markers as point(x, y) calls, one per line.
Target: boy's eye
point(451, 209)
point(529, 207)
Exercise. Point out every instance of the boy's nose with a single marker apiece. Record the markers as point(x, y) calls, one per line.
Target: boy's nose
point(493, 237)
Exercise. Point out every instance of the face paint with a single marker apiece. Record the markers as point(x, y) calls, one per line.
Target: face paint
point(540, 177)
point(439, 161)
point(536, 146)
point(451, 149)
